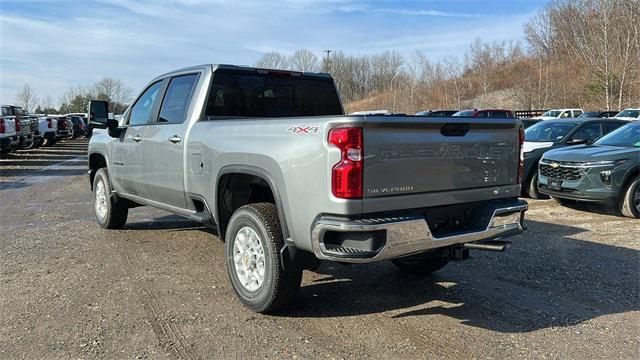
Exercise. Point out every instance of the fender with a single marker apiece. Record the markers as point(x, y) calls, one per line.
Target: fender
point(106, 159)
point(264, 175)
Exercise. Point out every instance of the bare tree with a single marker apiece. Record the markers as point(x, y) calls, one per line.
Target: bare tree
point(114, 91)
point(303, 60)
point(272, 60)
point(26, 98)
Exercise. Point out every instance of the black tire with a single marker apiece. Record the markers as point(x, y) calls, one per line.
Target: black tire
point(630, 202)
point(279, 286)
point(30, 145)
point(532, 188)
point(423, 263)
point(116, 211)
point(49, 142)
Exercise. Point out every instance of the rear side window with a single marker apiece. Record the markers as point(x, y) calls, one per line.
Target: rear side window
point(610, 126)
point(240, 94)
point(176, 101)
point(499, 114)
point(141, 111)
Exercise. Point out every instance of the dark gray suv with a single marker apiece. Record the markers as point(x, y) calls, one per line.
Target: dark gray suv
point(552, 134)
point(607, 171)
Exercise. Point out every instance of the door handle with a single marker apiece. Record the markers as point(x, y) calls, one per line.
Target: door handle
point(137, 138)
point(175, 139)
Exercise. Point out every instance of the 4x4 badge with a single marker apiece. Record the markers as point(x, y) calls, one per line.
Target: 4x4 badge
point(304, 129)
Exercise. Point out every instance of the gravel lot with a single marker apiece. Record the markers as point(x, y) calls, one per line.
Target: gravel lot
point(568, 288)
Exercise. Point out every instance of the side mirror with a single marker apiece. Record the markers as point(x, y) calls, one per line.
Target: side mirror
point(98, 114)
point(113, 129)
point(577, 141)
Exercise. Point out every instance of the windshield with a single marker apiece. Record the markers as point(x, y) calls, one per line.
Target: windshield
point(625, 136)
point(589, 114)
point(464, 113)
point(552, 113)
point(548, 131)
point(629, 113)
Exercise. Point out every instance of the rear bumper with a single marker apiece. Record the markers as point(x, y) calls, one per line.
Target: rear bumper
point(392, 237)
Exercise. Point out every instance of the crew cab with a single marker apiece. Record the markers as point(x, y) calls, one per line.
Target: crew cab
point(269, 160)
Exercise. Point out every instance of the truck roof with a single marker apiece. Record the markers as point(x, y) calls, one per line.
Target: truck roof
point(215, 67)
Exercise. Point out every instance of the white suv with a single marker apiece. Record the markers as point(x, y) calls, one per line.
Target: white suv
point(560, 114)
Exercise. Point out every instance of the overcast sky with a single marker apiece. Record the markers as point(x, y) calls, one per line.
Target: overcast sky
point(52, 45)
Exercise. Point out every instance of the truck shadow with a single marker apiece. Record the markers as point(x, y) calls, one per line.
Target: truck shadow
point(546, 279)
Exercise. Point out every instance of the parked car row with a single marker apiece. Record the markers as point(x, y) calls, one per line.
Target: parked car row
point(20, 130)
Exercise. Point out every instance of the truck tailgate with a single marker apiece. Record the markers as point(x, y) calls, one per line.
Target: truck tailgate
point(411, 155)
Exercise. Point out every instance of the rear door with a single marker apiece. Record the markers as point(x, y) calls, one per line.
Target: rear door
point(406, 155)
point(126, 157)
point(163, 146)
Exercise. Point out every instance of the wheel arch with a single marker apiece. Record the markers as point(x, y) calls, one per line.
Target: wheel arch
point(97, 160)
point(228, 174)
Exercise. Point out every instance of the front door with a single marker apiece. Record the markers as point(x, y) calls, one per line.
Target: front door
point(126, 158)
point(164, 144)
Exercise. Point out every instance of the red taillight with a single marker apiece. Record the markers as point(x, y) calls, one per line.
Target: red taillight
point(17, 125)
point(50, 123)
point(521, 155)
point(2, 129)
point(346, 175)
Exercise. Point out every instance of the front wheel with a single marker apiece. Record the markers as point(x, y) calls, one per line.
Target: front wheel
point(254, 264)
point(111, 212)
point(630, 204)
point(424, 263)
point(532, 189)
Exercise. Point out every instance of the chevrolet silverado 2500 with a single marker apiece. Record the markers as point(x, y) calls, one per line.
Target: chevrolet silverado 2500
point(269, 159)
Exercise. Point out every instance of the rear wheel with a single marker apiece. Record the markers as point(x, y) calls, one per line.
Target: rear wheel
point(254, 264)
point(110, 212)
point(630, 204)
point(423, 263)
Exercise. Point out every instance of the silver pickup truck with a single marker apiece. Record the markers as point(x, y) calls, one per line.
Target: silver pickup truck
point(269, 159)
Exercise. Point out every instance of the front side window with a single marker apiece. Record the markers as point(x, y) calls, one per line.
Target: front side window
point(176, 101)
point(141, 110)
point(464, 113)
point(552, 113)
point(587, 132)
point(548, 131)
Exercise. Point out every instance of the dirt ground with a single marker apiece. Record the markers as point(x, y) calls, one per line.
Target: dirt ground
point(569, 288)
